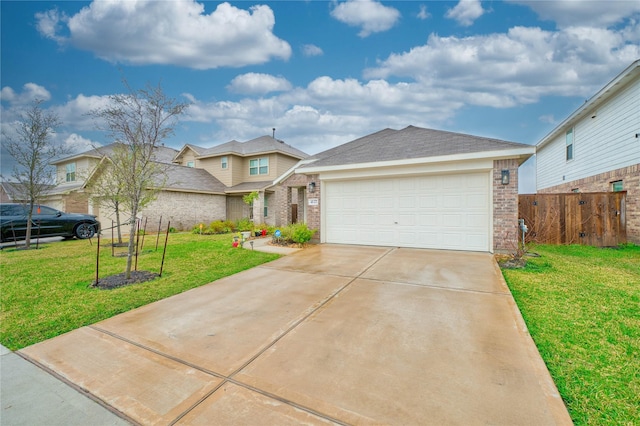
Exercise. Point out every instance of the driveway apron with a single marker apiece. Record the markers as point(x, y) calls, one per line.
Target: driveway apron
point(331, 334)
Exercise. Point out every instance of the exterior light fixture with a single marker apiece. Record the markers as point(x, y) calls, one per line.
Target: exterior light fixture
point(505, 177)
point(312, 187)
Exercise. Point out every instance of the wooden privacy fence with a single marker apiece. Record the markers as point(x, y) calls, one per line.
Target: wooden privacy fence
point(596, 219)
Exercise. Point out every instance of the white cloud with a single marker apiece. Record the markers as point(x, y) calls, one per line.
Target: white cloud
point(176, 32)
point(518, 67)
point(466, 12)
point(371, 16)
point(311, 50)
point(76, 143)
point(30, 92)
point(254, 83)
point(423, 14)
point(584, 12)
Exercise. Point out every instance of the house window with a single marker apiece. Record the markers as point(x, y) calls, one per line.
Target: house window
point(259, 166)
point(71, 172)
point(224, 162)
point(266, 206)
point(617, 186)
point(190, 164)
point(575, 190)
point(569, 140)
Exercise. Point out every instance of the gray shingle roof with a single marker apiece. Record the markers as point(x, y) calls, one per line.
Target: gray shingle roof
point(409, 143)
point(192, 179)
point(162, 154)
point(250, 186)
point(258, 145)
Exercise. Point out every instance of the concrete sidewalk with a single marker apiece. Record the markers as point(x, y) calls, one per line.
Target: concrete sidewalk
point(30, 396)
point(331, 334)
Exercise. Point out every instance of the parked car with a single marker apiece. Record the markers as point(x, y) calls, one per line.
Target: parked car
point(45, 222)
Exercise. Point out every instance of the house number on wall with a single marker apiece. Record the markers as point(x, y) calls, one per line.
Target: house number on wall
point(313, 201)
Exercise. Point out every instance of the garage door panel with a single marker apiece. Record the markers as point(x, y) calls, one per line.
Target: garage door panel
point(441, 211)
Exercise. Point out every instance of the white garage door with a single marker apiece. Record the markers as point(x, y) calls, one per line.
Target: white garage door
point(435, 211)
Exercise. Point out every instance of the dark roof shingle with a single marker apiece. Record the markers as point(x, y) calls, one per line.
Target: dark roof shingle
point(409, 143)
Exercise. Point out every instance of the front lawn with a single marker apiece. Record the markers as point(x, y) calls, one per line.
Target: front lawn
point(582, 307)
point(44, 293)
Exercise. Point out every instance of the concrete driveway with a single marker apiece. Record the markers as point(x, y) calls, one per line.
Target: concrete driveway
point(331, 334)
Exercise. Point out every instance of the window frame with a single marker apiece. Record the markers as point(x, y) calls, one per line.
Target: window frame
point(191, 164)
point(70, 175)
point(260, 164)
point(569, 140)
point(614, 184)
point(266, 206)
point(224, 162)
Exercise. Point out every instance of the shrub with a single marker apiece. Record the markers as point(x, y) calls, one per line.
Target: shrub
point(244, 224)
point(297, 233)
point(300, 233)
point(219, 227)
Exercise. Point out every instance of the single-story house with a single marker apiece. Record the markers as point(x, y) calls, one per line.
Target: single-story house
point(413, 187)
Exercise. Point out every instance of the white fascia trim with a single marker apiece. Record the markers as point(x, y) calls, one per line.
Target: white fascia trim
point(523, 152)
point(291, 171)
point(631, 72)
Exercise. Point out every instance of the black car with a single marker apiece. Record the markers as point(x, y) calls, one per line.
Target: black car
point(45, 222)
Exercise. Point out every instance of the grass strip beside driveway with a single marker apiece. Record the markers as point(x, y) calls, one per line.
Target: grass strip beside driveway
point(582, 308)
point(45, 293)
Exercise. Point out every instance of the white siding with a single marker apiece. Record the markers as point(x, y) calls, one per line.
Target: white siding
point(606, 142)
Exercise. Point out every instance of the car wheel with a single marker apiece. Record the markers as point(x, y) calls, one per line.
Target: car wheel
point(84, 231)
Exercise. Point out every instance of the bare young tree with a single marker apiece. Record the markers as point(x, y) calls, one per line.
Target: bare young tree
point(106, 190)
point(33, 149)
point(138, 121)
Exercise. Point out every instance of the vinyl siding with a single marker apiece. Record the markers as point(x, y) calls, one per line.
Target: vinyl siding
point(606, 142)
point(84, 166)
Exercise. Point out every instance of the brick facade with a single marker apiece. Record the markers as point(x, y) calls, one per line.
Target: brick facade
point(505, 206)
point(283, 200)
point(630, 177)
point(184, 210)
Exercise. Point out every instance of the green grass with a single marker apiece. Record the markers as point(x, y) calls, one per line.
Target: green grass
point(582, 307)
point(45, 292)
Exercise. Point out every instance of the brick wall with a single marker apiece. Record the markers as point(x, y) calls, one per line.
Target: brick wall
point(185, 210)
point(630, 177)
point(298, 182)
point(505, 206)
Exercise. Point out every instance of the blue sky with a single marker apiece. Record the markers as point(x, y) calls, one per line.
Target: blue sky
point(321, 72)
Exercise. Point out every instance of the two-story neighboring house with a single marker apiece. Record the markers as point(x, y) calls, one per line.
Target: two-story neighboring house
point(245, 167)
point(201, 184)
point(597, 148)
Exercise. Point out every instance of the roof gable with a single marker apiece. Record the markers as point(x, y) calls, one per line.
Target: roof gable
point(162, 154)
point(260, 145)
point(408, 144)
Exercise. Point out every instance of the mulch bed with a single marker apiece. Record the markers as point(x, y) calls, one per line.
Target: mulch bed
point(119, 280)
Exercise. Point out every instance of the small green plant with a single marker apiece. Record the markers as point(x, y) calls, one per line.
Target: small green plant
point(244, 224)
point(172, 230)
point(300, 233)
point(250, 198)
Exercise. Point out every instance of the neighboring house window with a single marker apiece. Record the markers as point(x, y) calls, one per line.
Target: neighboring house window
point(266, 206)
point(259, 166)
point(575, 190)
point(191, 164)
point(617, 186)
point(224, 162)
point(569, 139)
point(71, 172)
